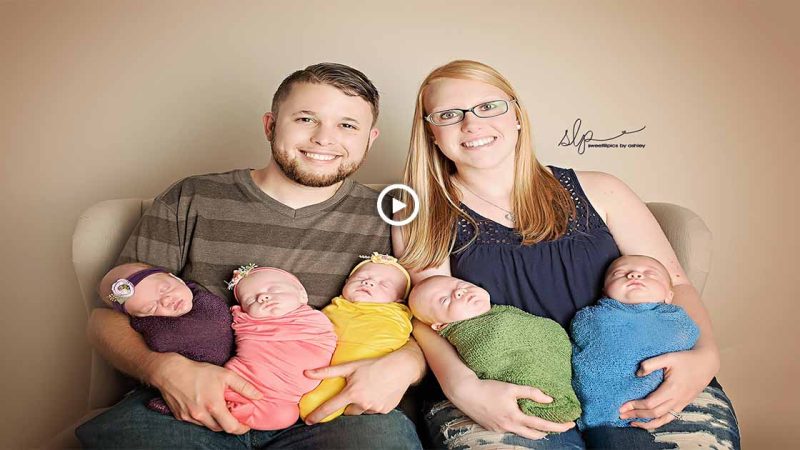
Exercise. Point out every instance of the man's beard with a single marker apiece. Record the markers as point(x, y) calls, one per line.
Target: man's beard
point(291, 168)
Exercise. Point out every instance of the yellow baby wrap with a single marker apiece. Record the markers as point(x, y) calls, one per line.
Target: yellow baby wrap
point(365, 330)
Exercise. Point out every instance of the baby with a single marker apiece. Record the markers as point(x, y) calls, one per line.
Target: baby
point(369, 319)
point(278, 336)
point(171, 315)
point(634, 322)
point(501, 342)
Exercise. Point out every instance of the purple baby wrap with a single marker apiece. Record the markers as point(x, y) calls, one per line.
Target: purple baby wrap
point(203, 334)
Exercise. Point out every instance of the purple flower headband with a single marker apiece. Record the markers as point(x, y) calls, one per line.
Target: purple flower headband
point(124, 288)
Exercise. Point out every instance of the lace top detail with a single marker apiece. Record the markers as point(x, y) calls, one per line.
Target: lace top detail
point(550, 279)
point(491, 232)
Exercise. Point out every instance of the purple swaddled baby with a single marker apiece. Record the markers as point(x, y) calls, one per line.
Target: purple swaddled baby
point(203, 334)
point(171, 315)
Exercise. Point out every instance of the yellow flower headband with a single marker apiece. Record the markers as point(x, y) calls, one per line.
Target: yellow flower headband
point(379, 258)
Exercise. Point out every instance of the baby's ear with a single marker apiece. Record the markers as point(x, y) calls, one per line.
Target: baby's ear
point(670, 295)
point(438, 326)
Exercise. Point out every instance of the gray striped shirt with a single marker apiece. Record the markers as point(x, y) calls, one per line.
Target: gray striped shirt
point(203, 227)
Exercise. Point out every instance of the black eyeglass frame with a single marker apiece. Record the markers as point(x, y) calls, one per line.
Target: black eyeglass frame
point(464, 112)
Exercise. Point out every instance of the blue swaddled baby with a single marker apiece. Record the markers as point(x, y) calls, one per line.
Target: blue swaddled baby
point(610, 339)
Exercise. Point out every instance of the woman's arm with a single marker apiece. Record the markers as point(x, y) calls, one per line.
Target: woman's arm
point(492, 404)
point(637, 232)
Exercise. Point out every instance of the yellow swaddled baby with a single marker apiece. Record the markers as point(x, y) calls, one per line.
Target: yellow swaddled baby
point(369, 318)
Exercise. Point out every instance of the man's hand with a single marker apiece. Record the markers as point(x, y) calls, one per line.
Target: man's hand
point(195, 391)
point(374, 386)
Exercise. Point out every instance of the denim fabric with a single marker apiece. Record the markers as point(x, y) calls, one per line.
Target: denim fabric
point(452, 430)
point(130, 424)
point(708, 422)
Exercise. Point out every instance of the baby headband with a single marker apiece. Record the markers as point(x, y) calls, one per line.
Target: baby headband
point(124, 288)
point(243, 271)
point(380, 258)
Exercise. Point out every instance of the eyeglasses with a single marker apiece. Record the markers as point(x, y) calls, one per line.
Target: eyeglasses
point(454, 116)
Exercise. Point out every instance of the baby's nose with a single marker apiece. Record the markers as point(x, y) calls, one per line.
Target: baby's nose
point(368, 282)
point(263, 298)
point(460, 292)
point(634, 275)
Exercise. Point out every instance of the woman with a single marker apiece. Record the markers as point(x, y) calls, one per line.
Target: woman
point(538, 238)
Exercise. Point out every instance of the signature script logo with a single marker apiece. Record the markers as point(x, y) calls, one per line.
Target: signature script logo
point(581, 141)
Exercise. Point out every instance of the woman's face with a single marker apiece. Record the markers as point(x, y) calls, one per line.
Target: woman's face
point(474, 143)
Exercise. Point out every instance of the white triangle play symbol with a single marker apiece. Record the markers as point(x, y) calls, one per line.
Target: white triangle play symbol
point(397, 205)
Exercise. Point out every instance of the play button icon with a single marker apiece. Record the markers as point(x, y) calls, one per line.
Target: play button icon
point(397, 205)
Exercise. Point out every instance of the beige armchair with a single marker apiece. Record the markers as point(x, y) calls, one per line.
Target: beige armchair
point(103, 229)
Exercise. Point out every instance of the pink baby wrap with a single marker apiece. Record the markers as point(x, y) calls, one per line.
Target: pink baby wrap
point(272, 353)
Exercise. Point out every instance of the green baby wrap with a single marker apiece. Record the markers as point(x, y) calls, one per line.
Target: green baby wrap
point(508, 344)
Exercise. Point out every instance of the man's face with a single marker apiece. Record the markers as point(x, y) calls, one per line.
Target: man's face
point(375, 283)
point(269, 293)
point(162, 295)
point(320, 135)
point(638, 279)
point(440, 300)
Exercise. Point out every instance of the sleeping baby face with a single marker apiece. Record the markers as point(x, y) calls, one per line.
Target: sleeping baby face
point(270, 293)
point(162, 295)
point(375, 283)
point(638, 279)
point(440, 300)
point(158, 294)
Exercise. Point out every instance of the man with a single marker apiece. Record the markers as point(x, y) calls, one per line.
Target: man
point(300, 213)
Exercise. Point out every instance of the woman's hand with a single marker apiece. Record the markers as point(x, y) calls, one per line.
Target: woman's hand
point(493, 405)
point(374, 386)
point(686, 374)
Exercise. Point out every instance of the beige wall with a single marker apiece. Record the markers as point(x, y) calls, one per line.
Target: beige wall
point(109, 99)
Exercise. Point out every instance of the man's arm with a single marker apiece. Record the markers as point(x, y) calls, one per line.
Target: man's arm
point(415, 360)
point(110, 333)
point(193, 391)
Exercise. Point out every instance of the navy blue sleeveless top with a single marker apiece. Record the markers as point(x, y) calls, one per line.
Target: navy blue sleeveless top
point(552, 279)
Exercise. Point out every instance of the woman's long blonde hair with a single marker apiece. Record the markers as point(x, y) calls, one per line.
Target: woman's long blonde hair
point(542, 207)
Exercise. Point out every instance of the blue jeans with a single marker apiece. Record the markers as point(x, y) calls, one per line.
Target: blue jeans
point(708, 422)
point(130, 424)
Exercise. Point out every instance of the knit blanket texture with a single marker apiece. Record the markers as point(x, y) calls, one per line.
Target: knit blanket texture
point(203, 334)
point(508, 344)
point(611, 339)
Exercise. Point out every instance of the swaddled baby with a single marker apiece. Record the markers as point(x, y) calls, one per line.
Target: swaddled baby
point(170, 314)
point(636, 321)
point(370, 321)
point(501, 342)
point(278, 337)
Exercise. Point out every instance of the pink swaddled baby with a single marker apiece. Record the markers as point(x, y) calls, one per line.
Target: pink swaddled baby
point(278, 336)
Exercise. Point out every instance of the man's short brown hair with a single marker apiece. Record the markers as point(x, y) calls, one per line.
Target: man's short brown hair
point(344, 78)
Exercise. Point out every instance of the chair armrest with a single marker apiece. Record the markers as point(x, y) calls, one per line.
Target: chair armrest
point(690, 238)
point(99, 236)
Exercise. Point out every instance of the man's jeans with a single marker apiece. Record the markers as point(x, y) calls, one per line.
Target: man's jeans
point(129, 424)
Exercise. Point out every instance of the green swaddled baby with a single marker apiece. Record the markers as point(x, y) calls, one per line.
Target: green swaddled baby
point(501, 342)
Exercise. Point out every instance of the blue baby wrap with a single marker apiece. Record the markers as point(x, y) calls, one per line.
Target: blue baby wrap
point(610, 339)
